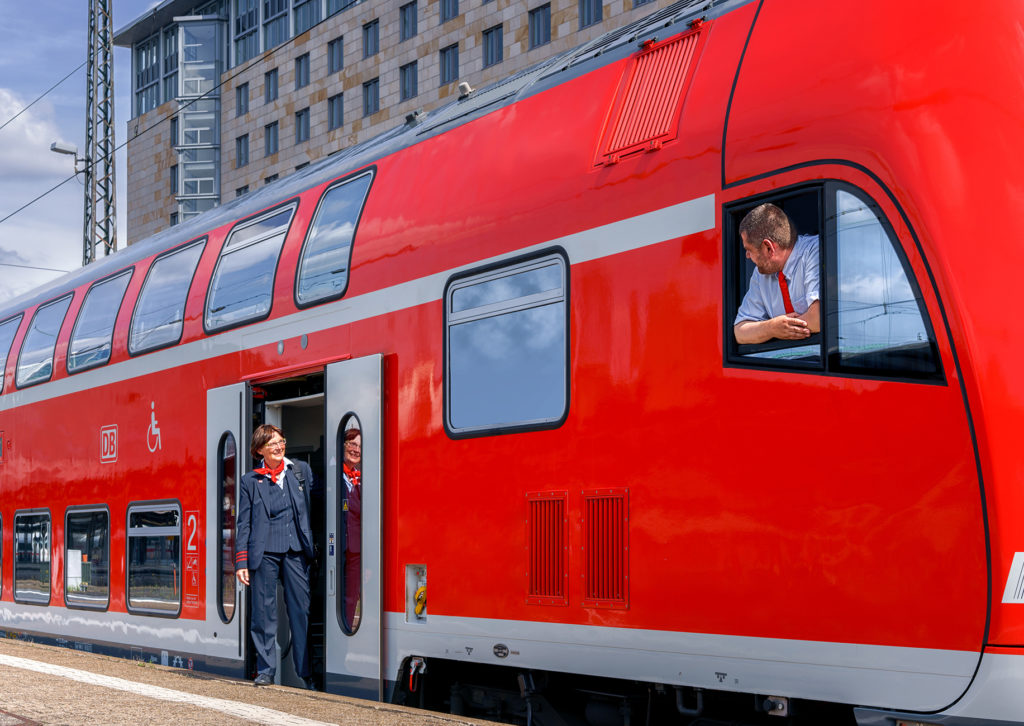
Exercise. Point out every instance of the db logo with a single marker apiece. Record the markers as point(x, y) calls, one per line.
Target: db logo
point(108, 444)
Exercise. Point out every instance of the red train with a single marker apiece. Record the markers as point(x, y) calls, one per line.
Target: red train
point(584, 502)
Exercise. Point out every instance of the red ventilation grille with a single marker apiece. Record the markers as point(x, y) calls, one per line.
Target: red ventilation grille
point(606, 547)
point(646, 112)
point(549, 549)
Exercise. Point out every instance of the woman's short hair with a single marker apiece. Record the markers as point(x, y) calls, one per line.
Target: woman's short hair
point(352, 433)
point(261, 436)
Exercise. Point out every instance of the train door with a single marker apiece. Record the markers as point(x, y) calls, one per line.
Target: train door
point(353, 605)
point(227, 439)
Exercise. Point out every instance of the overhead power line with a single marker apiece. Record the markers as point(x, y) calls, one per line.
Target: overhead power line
point(48, 90)
point(32, 267)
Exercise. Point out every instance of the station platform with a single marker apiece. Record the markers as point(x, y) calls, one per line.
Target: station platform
point(45, 684)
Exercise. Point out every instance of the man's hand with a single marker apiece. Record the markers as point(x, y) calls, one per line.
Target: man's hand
point(789, 327)
point(243, 575)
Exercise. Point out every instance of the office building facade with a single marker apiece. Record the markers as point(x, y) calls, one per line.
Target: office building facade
point(232, 94)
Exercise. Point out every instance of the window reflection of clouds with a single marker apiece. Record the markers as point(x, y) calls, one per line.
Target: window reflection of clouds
point(323, 271)
point(90, 343)
point(36, 360)
point(877, 307)
point(509, 287)
point(244, 282)
point(160, 310)
point(7, 332)
point(508, 368)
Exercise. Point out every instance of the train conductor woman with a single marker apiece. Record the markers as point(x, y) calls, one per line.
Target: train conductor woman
point(274, 542)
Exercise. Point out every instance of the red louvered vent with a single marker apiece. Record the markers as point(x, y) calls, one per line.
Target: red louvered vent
point(548, 534)
point(650, 100)
point(606, 548)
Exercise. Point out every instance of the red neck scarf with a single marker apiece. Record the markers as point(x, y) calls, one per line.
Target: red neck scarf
point(272, 473)
point(352, 474)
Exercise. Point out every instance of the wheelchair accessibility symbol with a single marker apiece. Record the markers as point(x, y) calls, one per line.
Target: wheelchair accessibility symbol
point(153, 432)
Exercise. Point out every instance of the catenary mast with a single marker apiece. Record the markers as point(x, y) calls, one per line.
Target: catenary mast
point(100, 227)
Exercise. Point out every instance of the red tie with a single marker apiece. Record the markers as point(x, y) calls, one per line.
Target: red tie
point(784, 288)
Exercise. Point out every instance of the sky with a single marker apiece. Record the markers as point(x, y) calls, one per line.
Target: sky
point(44, 40)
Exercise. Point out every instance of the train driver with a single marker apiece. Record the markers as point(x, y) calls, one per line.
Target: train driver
point(782, 300)
point(275, 542)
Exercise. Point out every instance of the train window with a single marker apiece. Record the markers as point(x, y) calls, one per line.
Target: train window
point(242, 287)
point(160, 311)
point(8, 329)
point(87, 558)
point(506, 347)
point(94, 329)
point(881, 324)
point(350, 443)
point(227, 473)
point(323, 268)
point(32, 557)
point(35, 364)
point(846, 278)
point(154, 558)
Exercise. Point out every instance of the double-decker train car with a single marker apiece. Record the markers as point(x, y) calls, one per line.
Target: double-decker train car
point(582, 500)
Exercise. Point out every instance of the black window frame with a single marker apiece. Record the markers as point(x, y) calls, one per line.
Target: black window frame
point(511, 264)
point(311, 228)
point(87, 509)
point(271, 131)
point(14, 575)
point(736, 275)
point(18, 317)
point(153, 505)
point(448, 59)
point(241, 99)
point(201, 242)
point(222, 528)
point(68, 296)
point(292, 203)
point(130, 272)
point(341, 582)
point(242, 151)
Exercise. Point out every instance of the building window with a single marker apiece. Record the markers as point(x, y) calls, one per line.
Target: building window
point(371, 97)
point(275, 22)
point(242, 190)
point(94, 330)
point(638, 3)
point(170, 63)
point(302, 71)
point(449, 10)
point(35, 363)
point(540, 26)
point(154, 558)
point(307, 14)
point(270, 179)
point(174, 179)
point(523, 382)
point(175, 127)
point(242, 285)
point(492, 46)
point(87, 558)
point(302, 126)
point(590, 12)
point(247, 24)
point(270, 139)
point(449, 63)
point(335, 112)
point(336, 6)
point(407, 21)
point(270, 86)
point(160, 309)
point(147, 75)
point(323, 266)
point(371, 38)
point(242, 151)
point(173, 219)
point(408, 81)
point(242, 100)
point(336, 55)
point(32, 557)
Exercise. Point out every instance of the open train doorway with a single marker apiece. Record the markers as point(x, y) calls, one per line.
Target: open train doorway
point(296, 405)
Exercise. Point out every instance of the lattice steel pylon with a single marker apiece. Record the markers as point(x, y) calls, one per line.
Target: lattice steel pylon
point(100, 230)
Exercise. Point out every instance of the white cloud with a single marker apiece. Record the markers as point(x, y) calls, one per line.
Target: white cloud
point(25, 143)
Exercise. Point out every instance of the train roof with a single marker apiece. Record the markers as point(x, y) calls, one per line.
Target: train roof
point(417, 127)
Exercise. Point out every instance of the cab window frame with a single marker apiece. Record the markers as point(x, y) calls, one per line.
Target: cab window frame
point(736, 273)
point(15, 321)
